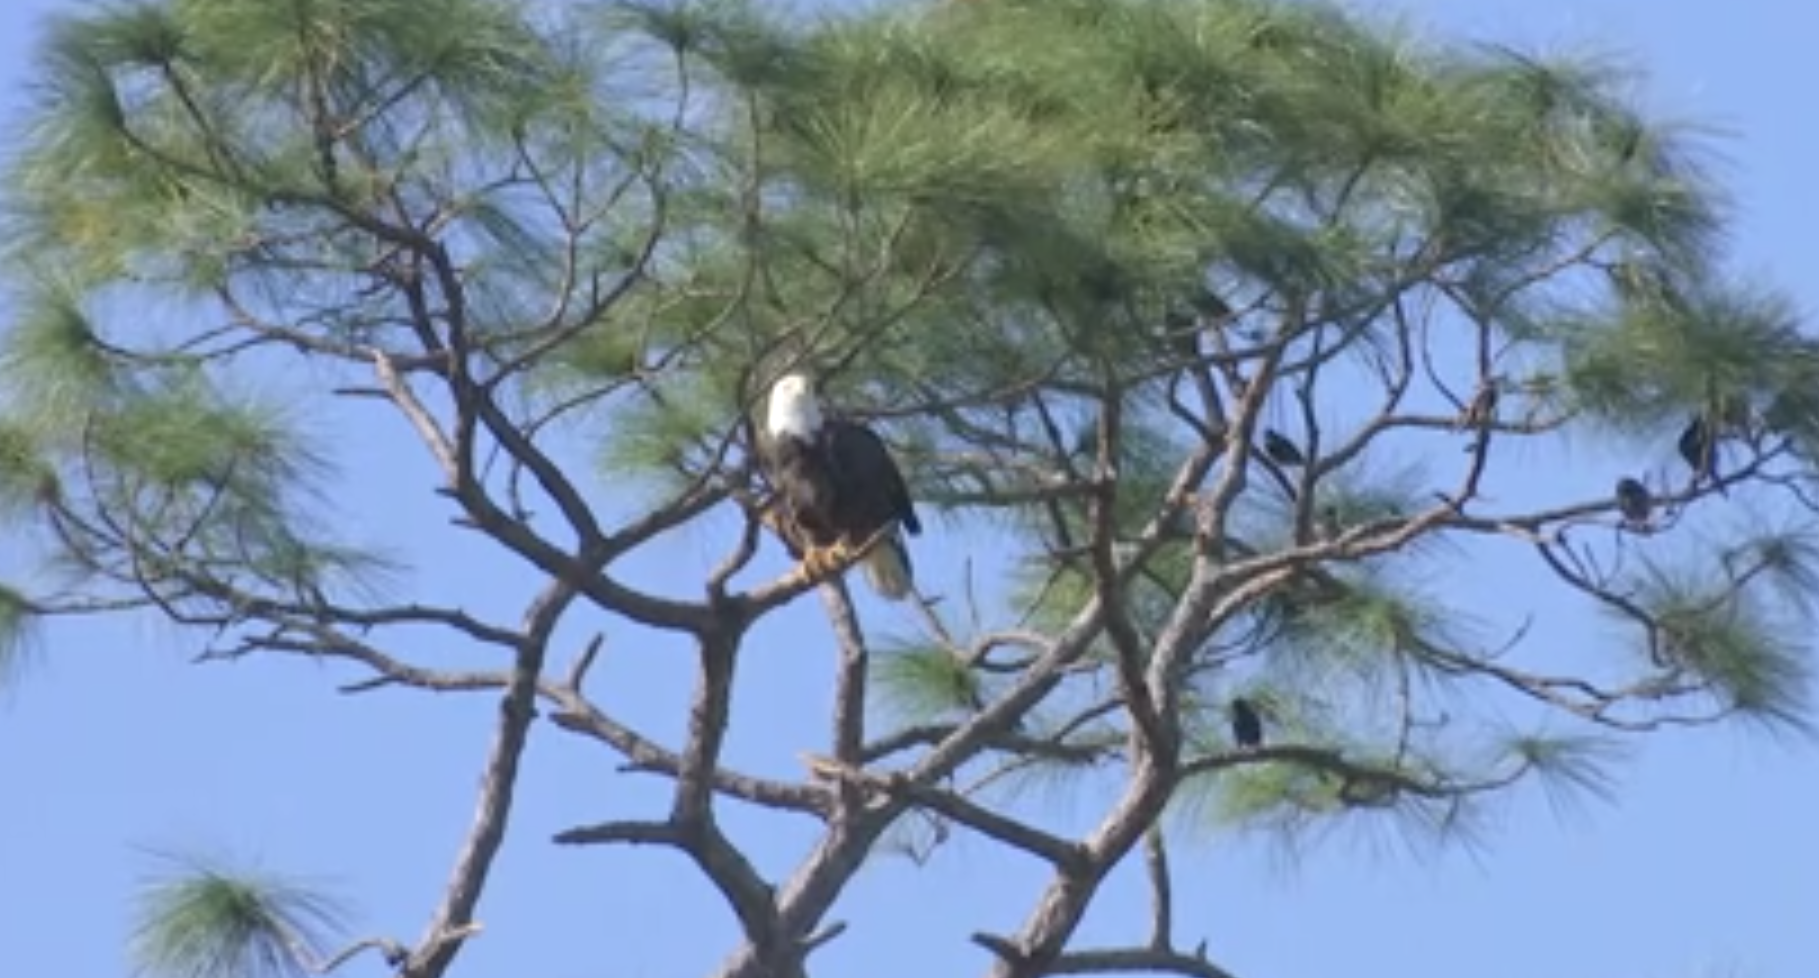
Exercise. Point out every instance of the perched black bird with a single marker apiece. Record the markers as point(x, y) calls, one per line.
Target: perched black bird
point(1634, 501)
point(1695, 444)
point(1700, 451)
point(1247, 726)
point(1280, 450)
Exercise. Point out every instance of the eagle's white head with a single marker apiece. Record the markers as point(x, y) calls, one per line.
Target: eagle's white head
point(793, 409)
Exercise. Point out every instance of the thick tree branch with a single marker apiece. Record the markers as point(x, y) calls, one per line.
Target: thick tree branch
point(1063, 904)
point(441, 942)
point(709, 714)
point(850, 675)
point(1162, 890)
point(1156, 728)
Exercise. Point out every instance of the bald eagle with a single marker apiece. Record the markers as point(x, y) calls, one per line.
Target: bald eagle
point(838, 490)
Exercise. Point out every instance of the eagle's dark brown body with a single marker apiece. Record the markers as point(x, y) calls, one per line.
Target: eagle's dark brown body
point(838, 488)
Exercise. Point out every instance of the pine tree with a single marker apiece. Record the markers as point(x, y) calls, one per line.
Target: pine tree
point(1074, 258)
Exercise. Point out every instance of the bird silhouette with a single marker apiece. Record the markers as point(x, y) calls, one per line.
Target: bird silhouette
point(1280, 450)
point(1700, 451)
point(1247, 726)
point(1634, 501)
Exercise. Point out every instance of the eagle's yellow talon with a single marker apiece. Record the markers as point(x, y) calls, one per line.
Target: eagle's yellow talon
point(817, 562)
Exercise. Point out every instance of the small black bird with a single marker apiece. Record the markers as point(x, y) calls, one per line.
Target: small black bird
point(1695, 444)
point(1634, 501)
point(1700, 452)
point(1280, 450)
point(1247, 726)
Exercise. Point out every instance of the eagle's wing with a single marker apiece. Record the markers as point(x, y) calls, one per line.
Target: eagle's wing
point(859, 457)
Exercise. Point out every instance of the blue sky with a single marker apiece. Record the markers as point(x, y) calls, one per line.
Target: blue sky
point(116, 742)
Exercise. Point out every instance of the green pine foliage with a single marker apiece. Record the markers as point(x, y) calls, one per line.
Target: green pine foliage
point(923, 683)
point(17, 634)
point(198, 920)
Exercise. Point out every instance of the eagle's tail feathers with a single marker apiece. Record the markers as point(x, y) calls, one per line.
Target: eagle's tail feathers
point(887, 568)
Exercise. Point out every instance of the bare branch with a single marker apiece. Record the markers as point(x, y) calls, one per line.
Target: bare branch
point(741, 555)
point(1135, 960)
point(577, 673)
point(1162, 894)
point(428, 430)
point(1071, 890)
point(1155, 727)
point(1047, 748)
point(977, 817)
point(823, 937)
point(441, 941)
point(735, 877)
point(577, 715)
point(633, 833)
point(708, 715)
point(1103, 961)
point(393, 952)
point(850, 677)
